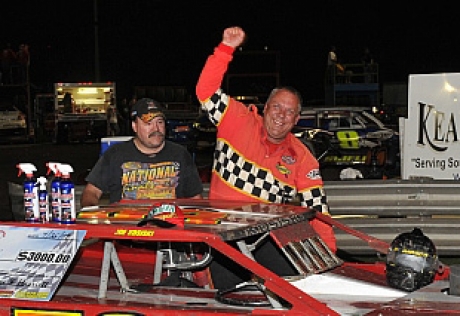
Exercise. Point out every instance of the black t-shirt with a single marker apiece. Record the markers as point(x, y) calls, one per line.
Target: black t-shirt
point(126, 173)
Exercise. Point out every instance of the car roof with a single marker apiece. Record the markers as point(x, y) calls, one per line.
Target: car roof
point(312, 110)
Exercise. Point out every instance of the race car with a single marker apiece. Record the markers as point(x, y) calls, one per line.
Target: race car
point(213, 257)
point(350, 137)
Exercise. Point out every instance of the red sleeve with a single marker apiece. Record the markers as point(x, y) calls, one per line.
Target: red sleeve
point(225, 48)
point(326, 232)
point(213, 72)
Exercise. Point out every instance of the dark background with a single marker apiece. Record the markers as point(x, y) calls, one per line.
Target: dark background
point(160, 42)
point(166, 42)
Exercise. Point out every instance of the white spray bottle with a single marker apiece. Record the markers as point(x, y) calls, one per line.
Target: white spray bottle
point(43, 202)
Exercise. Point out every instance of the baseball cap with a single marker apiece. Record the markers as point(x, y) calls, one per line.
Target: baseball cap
point(147, 109)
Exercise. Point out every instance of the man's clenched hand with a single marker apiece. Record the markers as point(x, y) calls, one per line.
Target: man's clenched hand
point(233, 36)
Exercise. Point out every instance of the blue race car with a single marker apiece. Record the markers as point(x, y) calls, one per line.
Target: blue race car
point(344, 137)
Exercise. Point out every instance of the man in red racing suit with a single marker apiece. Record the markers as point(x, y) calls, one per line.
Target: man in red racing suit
point(256, 158)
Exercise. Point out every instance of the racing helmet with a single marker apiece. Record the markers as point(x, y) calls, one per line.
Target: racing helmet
point(412, 261)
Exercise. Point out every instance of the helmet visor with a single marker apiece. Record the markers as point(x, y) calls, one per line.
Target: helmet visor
point(416, 263)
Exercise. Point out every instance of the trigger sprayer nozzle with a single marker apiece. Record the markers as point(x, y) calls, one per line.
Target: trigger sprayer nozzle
point(65, 169)
point(26, 168)
point(41, 181)
point(53, 166)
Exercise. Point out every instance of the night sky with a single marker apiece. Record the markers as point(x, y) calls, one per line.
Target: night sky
point(155, 42)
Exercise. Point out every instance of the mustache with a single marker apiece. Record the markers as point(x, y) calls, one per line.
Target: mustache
point(156, 134)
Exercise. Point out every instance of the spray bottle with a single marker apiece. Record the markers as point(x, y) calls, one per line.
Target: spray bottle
point(55, 191)
point(68, 212)
point(43, 204)
point(30, 192)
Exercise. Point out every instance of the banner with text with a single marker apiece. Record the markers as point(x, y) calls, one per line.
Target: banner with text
point(430, 146)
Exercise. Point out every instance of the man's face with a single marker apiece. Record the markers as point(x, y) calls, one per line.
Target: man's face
point(152, 134)
point(281, 113)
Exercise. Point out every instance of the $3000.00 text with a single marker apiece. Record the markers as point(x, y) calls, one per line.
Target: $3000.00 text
point(43, 257)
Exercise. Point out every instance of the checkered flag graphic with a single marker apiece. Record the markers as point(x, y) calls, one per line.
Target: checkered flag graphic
point(216, 106)
point(249, 177)
point(42, 277)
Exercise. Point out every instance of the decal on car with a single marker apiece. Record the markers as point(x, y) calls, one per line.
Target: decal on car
point(348, 139)
point(346, 159)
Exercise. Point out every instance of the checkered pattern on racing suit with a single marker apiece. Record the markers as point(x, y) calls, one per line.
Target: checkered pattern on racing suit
point(254, 179)
point(244, 169)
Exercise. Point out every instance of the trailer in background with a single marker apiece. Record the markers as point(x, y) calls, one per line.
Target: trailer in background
point(80, 111)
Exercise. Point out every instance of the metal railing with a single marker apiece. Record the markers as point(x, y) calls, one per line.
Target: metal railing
point(384, 209)
point(380, 208)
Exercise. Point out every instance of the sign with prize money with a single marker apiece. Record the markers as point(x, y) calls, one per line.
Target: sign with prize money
point(33, 260)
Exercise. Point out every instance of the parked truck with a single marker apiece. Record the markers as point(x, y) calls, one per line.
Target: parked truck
point(80, 110)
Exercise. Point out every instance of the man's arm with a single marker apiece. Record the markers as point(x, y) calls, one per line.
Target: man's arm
point(315, 198)
point(216, 66)
point(90, 196)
